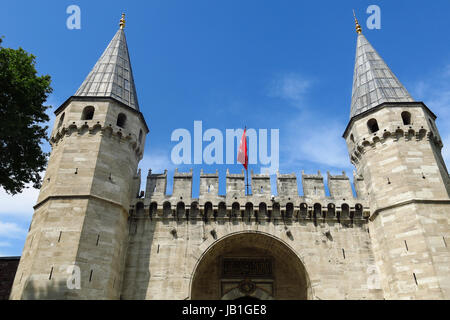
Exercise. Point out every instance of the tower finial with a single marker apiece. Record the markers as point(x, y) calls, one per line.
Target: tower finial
point(358, 27)
point(122, 21)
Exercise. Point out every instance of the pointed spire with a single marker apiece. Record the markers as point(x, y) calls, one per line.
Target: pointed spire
point(122, 22)
point(112, 75)
point(358, 27)
point(373, 82)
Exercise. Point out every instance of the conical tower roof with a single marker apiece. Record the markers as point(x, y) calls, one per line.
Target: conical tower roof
point(373, 81)
point(112, 75)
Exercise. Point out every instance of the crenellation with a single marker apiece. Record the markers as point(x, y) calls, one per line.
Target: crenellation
point(182, 185)
point(209, 184)
point(235, 185)
point(339, 186)
point(313, 185)
point(287, 184)
point(260, 184)
point(360, 185)
point(136, 185)
point(262, 208)
point(156, 184)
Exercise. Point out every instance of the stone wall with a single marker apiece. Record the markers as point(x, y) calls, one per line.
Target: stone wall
point(407, 185)
point(81, 218)
point(163, 254)
point(171, 234)
point(8, 268)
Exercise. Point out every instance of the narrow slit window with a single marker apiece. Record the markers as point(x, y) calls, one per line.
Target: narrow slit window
point(90, 276)
point(51, 273)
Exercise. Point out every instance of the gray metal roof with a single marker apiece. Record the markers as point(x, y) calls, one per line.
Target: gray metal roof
point(373, 81)
point(112, 75)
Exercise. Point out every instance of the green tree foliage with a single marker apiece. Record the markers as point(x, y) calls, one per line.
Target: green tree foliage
point(22, 120)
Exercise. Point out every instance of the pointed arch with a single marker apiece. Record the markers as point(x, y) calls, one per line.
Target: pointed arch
point(284, 257)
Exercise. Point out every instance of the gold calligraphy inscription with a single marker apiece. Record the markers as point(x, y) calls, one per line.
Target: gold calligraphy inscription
point(247, 268)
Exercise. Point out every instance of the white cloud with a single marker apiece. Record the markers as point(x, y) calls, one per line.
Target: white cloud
point(5, 244)
point(291, 87)
point(447, 71)
point(308, 137)
point(11, 230)
point(435, 92)
point(317, 140)
point(19, 205)
point(157, 161)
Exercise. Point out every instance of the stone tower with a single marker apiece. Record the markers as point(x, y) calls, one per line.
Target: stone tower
point(395, 146)
point(80, 223)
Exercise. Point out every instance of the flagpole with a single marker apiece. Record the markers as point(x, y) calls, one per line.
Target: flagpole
point(247, 182)
point(243, 156)
point(246, 169)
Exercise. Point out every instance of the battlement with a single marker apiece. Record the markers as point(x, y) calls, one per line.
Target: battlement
point(367, 141)
point(260, 184)
point(287, 184)
point(313, 185)
point(92, 127)
point(236, 184)
point(288, 204)
point(156, 184)
point(209, 184)
point(360, 185)
point(339, 186)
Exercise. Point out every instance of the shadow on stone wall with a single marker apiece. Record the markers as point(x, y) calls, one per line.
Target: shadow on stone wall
point(54, 290)
point(136, 279)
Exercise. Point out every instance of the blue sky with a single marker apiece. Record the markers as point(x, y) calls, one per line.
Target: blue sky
point(284, 65)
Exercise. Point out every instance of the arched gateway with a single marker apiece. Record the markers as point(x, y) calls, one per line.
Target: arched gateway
point(250, 265)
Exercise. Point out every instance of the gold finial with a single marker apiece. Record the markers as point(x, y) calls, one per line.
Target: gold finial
point(122, 21)
point(358, 27)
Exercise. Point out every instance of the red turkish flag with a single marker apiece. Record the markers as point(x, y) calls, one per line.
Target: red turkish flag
point(242, 154)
